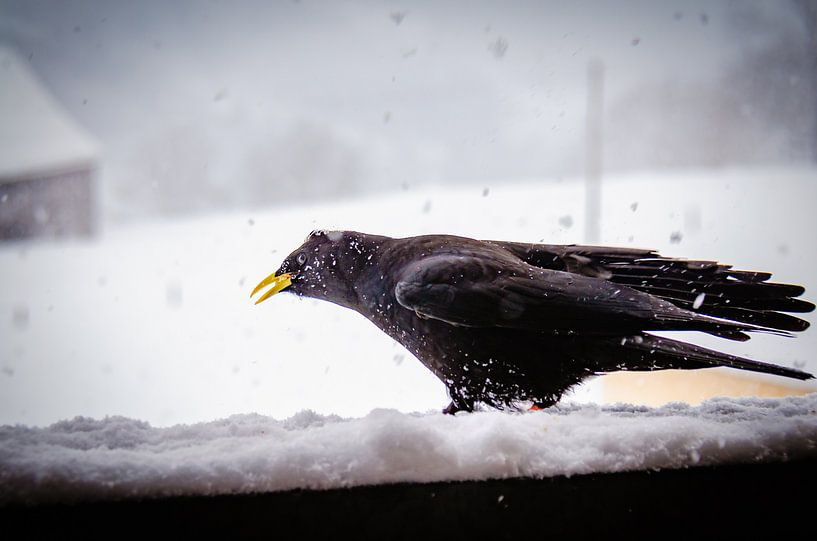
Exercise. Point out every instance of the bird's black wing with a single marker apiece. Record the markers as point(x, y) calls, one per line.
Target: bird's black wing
point(707, 287)
point(478, 291)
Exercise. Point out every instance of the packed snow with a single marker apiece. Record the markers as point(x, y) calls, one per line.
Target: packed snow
point(85, 459)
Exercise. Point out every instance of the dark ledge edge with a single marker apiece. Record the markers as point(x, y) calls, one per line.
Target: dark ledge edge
point(774, 498)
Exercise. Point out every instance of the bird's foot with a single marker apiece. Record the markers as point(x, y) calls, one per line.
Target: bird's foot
point(539, 406)
point(453, 408)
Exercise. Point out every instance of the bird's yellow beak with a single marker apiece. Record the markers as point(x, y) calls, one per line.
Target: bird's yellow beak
point(279, 283)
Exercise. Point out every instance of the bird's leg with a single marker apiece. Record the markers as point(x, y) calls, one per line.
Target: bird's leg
point(456, 405)
point(460, 401)
point(451, 408)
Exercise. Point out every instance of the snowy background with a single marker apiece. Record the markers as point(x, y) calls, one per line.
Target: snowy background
point(154, 321)
point(226, 131)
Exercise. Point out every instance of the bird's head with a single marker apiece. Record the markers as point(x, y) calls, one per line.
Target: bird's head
point(326, 266)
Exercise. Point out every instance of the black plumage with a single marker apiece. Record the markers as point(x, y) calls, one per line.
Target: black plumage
point(504, 322)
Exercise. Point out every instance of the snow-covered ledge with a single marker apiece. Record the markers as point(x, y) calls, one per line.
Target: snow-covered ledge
point(114, 458)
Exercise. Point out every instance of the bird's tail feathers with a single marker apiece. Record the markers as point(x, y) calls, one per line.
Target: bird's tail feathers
point(682, 319)
point(650, 352)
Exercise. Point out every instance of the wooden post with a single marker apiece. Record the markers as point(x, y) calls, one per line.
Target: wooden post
point(593, 156)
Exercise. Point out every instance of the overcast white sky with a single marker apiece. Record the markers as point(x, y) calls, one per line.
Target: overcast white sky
point(232, 103)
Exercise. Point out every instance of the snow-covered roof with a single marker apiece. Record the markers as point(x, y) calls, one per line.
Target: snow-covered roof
point(116, 457)
point(37, 136)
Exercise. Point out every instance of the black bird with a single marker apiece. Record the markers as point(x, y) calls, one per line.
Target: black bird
point(503, 323)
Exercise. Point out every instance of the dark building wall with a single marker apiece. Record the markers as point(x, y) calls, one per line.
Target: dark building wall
point(50, 206)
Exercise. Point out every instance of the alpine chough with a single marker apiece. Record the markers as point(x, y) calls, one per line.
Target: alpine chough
point(504, 323)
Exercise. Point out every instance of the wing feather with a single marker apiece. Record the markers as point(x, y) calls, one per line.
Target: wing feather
point(476, 291)
point(737, 295)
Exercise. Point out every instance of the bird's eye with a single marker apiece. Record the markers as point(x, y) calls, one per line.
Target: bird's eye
point(301, 259)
